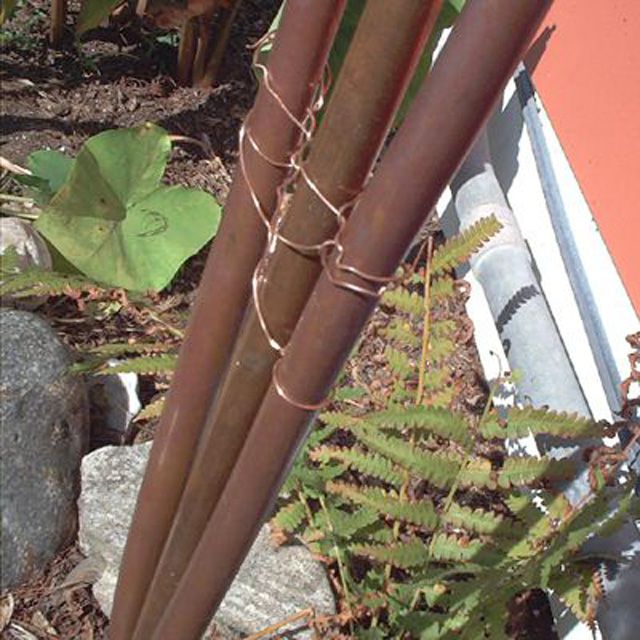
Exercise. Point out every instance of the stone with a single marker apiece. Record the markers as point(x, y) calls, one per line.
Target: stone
point(43, 435)
point(272, 584)
point(114, 402)
point(31, 251)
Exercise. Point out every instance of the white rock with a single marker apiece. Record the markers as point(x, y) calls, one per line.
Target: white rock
point(272, 584)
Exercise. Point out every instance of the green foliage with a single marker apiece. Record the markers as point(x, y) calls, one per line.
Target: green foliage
point(347, 29)
point(113, 220)
point(7, 7)
point(432, 522)
point(93, 12)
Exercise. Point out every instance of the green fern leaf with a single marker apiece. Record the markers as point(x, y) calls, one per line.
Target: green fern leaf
point(440, 469)
point(370, 464)
point(478, 520)
point(460, 247)
point(405, 555)
point(519, 472)
point(440, 422)
point(521, 422)
point(348, 525)
point(478, 472)
point(577, 587)
point(442, 288)
point(404, 301)
point(118, 349)
point(452, 548)
point(151, 411)
point(400, 333)
point(37, 282)
point(400, 363)
point(387, 504)
point(338, 419)
point(290, 516)
point(144, 365)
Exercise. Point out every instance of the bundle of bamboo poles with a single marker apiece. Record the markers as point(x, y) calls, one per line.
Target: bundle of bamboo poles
point(286, 292)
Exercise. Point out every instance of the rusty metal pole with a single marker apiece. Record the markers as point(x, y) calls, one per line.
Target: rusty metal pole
point(457, 98)
point(384, 53)
point(296, 64)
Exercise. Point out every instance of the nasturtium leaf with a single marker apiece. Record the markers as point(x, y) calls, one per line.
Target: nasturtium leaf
point(49, 171)
point(93, 12)
point(115, 222)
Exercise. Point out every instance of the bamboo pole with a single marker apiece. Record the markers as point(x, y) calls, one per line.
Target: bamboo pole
point(384, 53)
point(187, 51)
point(223, 34)
point(296, 63)
point(58, 18)
point(451, 108)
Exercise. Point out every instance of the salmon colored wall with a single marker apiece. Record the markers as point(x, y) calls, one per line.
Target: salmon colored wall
point(587, 72)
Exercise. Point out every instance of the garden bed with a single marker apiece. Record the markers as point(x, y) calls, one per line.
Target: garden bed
point(120, 77)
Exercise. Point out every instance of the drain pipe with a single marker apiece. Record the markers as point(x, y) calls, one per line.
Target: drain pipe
point(532, 343)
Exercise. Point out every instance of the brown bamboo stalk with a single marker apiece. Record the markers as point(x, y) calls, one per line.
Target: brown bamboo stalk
point(187, 51)
point(384, 53)
point(448, 113)
point(205, 35)
point(210, 75)
point(296, 63)
point(58, 18)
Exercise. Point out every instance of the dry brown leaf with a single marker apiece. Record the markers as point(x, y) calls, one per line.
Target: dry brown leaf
point(40, 621)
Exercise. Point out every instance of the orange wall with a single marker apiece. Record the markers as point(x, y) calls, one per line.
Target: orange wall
point(588, 77)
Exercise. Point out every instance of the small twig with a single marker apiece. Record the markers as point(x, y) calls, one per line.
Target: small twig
point(426, 329)
point(301, 615)
point(7, 165)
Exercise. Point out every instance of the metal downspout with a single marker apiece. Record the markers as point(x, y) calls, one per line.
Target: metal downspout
point(533, 345)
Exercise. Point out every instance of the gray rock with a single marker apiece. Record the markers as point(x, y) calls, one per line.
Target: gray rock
point(272, 584)
point(31, 251)
point(43, 435)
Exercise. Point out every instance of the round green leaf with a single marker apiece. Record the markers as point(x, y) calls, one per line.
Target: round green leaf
point(116, 223)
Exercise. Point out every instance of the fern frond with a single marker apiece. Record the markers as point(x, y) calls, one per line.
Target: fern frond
point(143, 365)
point(151, 411)
point(520, 472)
point(441, 349)
point(338, 419)
point(578, 587)
point(460, 247)
point(37, 282)
point(369, 463)
point(118, 349)
point(440, 422)
point(521, 422)
point(440, 469)
point(453, 548)
point(442, 289)
point(312, 480)
point(399, 362)
point(290, 516)
point(442, 328)
point(401, 334)
point(388, 504)
point(404, 301)
point(478, 472)
point(348, 525)
point(405, 555)
point(475, 520)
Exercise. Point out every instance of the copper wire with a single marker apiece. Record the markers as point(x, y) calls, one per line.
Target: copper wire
point(274, 223)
